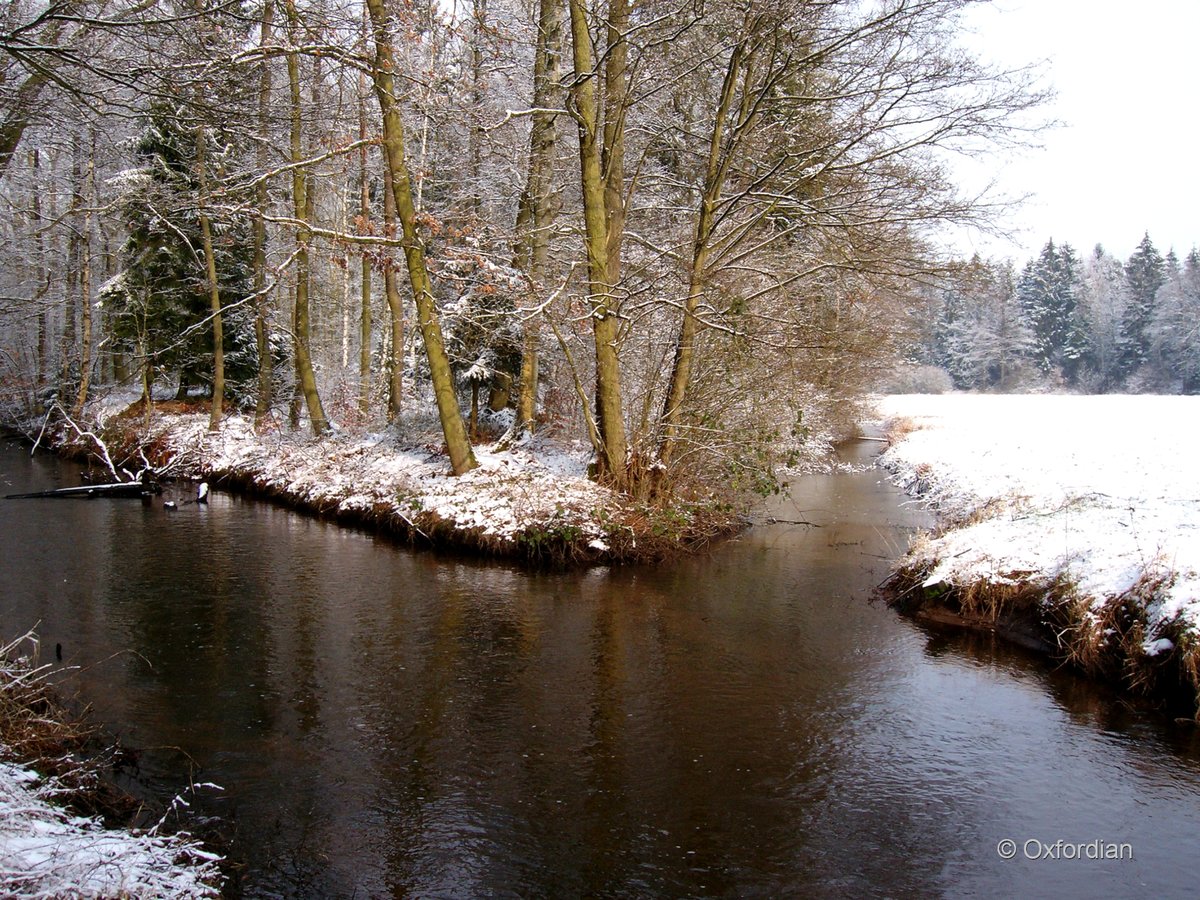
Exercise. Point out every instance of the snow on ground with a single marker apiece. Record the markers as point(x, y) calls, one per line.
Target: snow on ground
point(47, 852)
point(1104, 489)
point(531, 484)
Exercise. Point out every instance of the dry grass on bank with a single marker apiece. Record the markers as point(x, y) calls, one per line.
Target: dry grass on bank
point(53, 796)
point(1112, 639)
point(37, 731)
point(1079, 514)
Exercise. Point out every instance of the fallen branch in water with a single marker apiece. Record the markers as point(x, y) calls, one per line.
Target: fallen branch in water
point(771, 520)
point(84, 433)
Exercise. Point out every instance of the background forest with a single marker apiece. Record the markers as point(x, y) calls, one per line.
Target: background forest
point(688, 233)
point(1062, 322)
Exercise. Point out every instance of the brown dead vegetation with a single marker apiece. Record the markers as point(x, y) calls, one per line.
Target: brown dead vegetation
point(38, 731)
point(899, 427)
point(1105, 640)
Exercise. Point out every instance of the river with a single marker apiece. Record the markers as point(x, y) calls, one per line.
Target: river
point(746, 723)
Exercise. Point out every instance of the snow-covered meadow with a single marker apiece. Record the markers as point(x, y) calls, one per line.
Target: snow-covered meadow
point(1100, 490)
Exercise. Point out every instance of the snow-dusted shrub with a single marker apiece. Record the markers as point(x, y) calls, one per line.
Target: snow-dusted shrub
point(918, 380)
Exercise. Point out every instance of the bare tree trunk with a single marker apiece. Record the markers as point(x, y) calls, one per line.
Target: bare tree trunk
point(538, 209)
point(70, 332)
point(42, 274)
point(20, 114)
point(458, 445)
point(112, 362)
point(714, 181)
point(616, 92)
point(364, 210)
point(21, 103)
point(605, 325)
point(395, 304)
point(85, 279)
point(475, 145)
point(262, 340)
point(307, 379)
point(343, 206)
point(214, 290)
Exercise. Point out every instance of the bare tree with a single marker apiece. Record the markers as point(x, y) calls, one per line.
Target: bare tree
point(458, 445)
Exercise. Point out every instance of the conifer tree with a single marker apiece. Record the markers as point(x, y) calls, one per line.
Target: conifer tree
point(1144, 275)
point(160, 301)
point(1048, 292)
point(1175, 329)
point(1102, 304)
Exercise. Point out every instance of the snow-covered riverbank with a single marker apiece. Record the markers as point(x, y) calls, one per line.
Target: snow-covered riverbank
point(45, 850)
point(1098, 496)
point(532, 501)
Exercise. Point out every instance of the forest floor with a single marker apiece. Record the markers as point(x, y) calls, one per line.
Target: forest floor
point(53, 842)
point(1076, 518)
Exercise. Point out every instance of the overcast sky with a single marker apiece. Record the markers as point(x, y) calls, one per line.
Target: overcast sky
point(1126, 159)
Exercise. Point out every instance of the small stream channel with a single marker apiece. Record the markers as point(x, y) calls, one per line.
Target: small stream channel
point(392, 723)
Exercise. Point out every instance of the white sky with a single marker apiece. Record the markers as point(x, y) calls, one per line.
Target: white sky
point(1126, 159)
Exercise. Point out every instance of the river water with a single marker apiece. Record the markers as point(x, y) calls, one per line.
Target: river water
point(395, 723)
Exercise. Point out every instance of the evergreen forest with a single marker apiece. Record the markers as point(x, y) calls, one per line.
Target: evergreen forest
point(1093, 324)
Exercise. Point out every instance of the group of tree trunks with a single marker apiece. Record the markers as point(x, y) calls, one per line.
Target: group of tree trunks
point(754, 187)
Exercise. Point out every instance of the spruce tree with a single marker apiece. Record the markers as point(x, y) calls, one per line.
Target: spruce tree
point(1102, 305)
point(1144, 275)
point(1174, 332)
point(159, 302)
point(1048, 292)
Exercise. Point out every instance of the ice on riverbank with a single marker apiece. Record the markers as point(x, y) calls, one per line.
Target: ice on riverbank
point(1101, 491)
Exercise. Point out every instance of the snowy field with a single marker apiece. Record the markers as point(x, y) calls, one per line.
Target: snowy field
point(1103, 489)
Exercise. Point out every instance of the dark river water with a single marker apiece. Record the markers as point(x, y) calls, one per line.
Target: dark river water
point(390, 723)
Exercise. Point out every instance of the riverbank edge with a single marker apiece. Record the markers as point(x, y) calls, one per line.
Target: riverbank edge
point(611, 528)
point(1105, 638)
point(60, 815)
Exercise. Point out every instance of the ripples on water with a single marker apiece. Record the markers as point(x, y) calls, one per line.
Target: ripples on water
point(387, 722)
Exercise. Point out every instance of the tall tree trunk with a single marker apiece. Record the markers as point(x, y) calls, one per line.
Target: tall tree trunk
point(605, 325)
point(306, 377)
point(20, 114)
point(462, 459)
point(85, 279)
point(42, 274)
point(364, 211)
point(214, 289)
point(475, 144)
point(262, 338)
point(714, 181)
point(343, 205)
point(616, 92)
point(55, 256)
point(395, 302)
point(70, 331)
point(22, 102)
point(538, 209)
point(391, 290)
point(112, 362)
